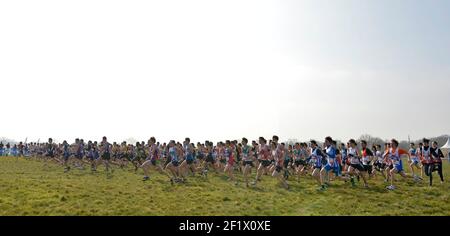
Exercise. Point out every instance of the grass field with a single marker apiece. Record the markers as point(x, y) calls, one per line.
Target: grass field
point(27, 188)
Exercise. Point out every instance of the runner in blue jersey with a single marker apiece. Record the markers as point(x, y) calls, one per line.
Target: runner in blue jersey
point(316, 161)
point(210, 160)
point(188, 164)
point(14, 151)
point(415, 160)
point(173, 165)
point(331, 164)
point(394, 154)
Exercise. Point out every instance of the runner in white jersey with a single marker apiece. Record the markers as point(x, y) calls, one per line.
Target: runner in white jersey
point(419, 154)
point(356, 168)
point(394, 154)
point(425, 157)
point(247, 159)
point(367, 158)
point(380, 165)
point(387, 161)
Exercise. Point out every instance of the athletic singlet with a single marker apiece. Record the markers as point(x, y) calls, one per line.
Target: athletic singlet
point(426, 154)
point(188, 150)
point(353, 154)
point(413, 154)
point(287, 155)
point(419, 152)
point(246, 153)
point(331, 156)
point(366, 153)
point(95, 153)
point(106, 147)
point(226, 153)
point(215, 153)
point(221, 153)
point(80, 148)
point(297, 154)
point(344, 154)
point(279, 152)
point(278, 157)
point(303, 153)
point(50, 148)
point(66, 149)
point(264, 152)
point(229, 157)
point(379, 157)
point(173, 154)
point(395, 156)
point(316, 159)
point(153, 151)
point(436, 156)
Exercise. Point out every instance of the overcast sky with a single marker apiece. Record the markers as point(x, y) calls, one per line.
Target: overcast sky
point(224, 69)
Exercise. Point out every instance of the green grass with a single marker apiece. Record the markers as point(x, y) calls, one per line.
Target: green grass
point(27, 188)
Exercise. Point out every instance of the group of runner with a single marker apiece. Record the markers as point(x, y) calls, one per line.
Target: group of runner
point(349, 162)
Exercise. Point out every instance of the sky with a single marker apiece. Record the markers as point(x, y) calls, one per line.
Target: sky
point(215, 70)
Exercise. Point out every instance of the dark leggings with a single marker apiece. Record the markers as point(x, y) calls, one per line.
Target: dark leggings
point(430, 168)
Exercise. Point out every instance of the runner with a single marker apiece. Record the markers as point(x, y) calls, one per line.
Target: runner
point(380, 164)
point(50, 151)
point(331, 163)
point(173, 164)
point(356, 168)
point(426, 158)
point(264, 154)
point(316, 162)
point(247, 159)
point(188, 163)
point(279, 158)
point(105, 154)
point(415, 160)
point(436, 165)
point(367, 158)
point(153, 160)
point(394, 154)
point(300, 156)
point(66, 156)
point(229, 153)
